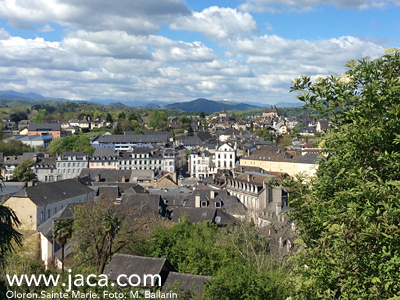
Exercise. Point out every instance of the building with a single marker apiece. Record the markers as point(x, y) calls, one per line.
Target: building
point(70, 164)
point(48, 247)
point(201, 164)
point(53, 129)
point(164, 273)
point(36, 204)
point(321, 125)
point(130, 141)
point(142, 158)
point(279, 160)
point(104, 158)
point(272, 112)
point(11, 162)
point(46, 170)
point(223, 113)
point(225, 157)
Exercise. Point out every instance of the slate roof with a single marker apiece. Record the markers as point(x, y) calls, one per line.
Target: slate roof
point(267, 155)
point(132, 138)
point(44, 127)
point(151, 202)
point(204, 136)
point(53, 192)
point(49, 162)
point(111, 192)
point(185, 282)
point(17, 159)
point(46, 228)
point(174, 196)
point(230, 204)
point(201, 214)
point(324, 124)
point(104, 152)
point(130, 264)
point(107, 175)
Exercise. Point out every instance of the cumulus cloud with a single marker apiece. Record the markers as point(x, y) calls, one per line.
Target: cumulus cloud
point(46, 28)
point(217, 23)
point(112, 51)
point(114, 64)
point(4, 34)
point(280, 6)
point(141, 17)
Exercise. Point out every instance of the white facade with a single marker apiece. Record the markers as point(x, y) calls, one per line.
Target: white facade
point(225, 157)
point(199, 165)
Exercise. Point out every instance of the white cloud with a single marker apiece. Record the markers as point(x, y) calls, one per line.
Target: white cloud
point(217, 23)
point(46, 28)
point(4, 34)
point(140, 17)
point(280, 6)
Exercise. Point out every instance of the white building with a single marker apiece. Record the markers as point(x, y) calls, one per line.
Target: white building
point(70, 164)
point(204, 164)
point(225, 157)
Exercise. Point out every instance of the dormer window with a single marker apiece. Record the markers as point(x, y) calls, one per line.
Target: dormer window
point(218, 204)
point(217, 219)
point(203, 204)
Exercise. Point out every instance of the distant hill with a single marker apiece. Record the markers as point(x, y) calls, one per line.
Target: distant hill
point(289, 104)
point(209, 106)
point(27, 96)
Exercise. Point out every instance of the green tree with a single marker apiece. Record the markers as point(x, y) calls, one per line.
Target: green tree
point(9, 236)
point(118, 129)
point(41, 116)
point(109, 118)
point(9, 239)
point(24, 173)
point(62, 234)
point(157, 119)
point(138, 131)
point(202, 115)
point(126, 125)
point(348, 215)
point(70, 143)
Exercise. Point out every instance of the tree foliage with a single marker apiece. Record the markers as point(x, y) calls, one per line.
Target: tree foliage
point(62, 234)
point(348, 217)
point(157, 119)
point(70, 143)
point(24, 173)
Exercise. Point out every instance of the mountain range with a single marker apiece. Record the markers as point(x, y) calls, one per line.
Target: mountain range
point(201, 104)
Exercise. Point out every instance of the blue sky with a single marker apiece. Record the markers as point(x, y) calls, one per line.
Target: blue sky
point(175, 50)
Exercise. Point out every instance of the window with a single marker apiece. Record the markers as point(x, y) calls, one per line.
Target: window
point(55, 210)
point(69, 164)
point(217, 219)
point(48, 214)
point(73, 164)
point(203, 204)
point(41, 216)
point(45, 178)
point(218, 204)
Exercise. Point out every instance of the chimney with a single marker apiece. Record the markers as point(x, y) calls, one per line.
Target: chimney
point(97, 178)
point(123, 179)
point(278, 209)
point(175, 177)
point(197, 200)
point(212, 194)
point(248, 153)
point(248, 177)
